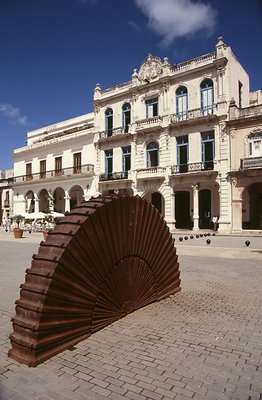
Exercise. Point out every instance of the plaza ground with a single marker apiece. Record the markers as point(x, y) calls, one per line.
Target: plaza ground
point(204, 343)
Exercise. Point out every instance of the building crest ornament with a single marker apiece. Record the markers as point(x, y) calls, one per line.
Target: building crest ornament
point(150, 69)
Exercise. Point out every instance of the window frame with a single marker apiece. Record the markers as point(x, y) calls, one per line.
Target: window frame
point(152, 107)
point(207, 91)
point(126, 155)
point(181, 143)
point(207, 138)
point(109, 162)
point(150, 152)
point(77, 163)
point(126, 117)
point(181, 115)
point(28, 172)
point(58, 166)
point(42, 168)
point(109, 122)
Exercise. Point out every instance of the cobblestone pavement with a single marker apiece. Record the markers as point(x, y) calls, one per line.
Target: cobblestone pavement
point(203, 343)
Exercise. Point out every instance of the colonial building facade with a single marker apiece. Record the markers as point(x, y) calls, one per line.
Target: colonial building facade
point(180, 135)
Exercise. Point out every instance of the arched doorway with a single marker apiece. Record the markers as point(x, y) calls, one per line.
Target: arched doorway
point(76, 194)
point(59, 200)
point(43, 201)
point(253, 206)
point(157, 201)
point(182, 210)
point(205, 209)
point(30, 202)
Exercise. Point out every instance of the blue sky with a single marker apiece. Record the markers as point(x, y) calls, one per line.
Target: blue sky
point(53, 52)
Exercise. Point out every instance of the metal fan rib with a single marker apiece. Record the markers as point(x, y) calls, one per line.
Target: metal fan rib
point(108, 257)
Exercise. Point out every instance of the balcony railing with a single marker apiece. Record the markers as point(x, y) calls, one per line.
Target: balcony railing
point(147, 123)
point(192, 114)
point(193, 63)
point(152, 172)
point(64, 172)
point(252, 162)
point(113, 176)
point(112, 132)
point(192, 167)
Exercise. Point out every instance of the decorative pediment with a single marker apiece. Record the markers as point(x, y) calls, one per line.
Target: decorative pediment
point(255, 133)
point(151, 94)
point(150, 69)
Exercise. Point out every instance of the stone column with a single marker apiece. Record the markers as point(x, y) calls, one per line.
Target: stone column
point(195, 208)
point(67, 202)
point(236, 206)
point(173, 207)
point(36, 203)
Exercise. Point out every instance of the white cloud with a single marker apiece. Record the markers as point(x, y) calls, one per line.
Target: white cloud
point(172, 19)
point(134, 26)
point(13, 113)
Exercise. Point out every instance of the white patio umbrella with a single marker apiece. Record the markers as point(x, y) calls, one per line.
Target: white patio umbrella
point(35, 215)
point(56, 214)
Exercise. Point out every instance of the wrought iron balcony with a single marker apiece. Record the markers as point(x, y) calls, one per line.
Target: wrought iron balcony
point(87, 169)
point(113, 176)
point(252, 162)
point(192, 114)
point(192, 167)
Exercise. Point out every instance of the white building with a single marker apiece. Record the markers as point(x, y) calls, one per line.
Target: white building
point(165, 135)
point(6, 193)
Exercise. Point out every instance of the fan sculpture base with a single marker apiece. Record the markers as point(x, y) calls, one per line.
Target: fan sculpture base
point(105, 259)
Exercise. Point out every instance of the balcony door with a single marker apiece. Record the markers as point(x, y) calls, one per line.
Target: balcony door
point(77, 163)
point(42, 169)
point(204, 209)
point(208, 150)
point(58, 166)
point(182, 210)
point(182, 153)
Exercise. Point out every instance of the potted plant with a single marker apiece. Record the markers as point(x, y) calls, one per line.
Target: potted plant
point(28, 224)
point(18, 232)
point(48, 224)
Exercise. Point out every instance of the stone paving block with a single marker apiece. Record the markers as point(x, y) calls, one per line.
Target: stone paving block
point(82, 375)
point(101, 391)
point(99, 382)
point(135, 396)
point(128, 379)
point(117, 389)
point(116, 382)
point(84, 387)
point(143, 378)
point(167, 393)
point(151, 395)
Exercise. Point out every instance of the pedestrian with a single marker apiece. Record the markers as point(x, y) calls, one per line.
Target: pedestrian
point(215, 222)
point(8, 224)
point(4, 224)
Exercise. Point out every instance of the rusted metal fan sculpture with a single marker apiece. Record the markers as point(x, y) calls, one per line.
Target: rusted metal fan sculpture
point(106, 258)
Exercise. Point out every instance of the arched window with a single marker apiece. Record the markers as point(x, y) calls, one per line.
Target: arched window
point(181, 103)
point(126, 115)
point(255, 144)
point(109, 122)
point(207, 96)
point(152, 154)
